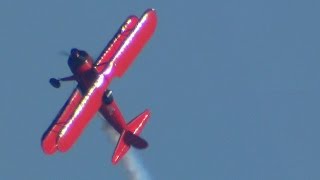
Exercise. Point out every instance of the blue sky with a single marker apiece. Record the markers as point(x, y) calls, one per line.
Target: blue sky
point(233, 87)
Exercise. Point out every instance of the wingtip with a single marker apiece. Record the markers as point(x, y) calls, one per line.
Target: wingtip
point(48, 143)
point(48, 148)
point(150, 11)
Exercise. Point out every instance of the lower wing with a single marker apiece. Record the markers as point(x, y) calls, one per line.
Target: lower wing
point(135, 42)
point(51, 136)
point(83, 113)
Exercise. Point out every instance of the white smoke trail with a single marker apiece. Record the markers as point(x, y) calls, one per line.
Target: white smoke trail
point(131, 162)
point(135, 168)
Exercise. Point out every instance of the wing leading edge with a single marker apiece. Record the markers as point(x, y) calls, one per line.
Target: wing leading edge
point(114, 45)
point(127, 44)
point(135, 42)
point(51, 136)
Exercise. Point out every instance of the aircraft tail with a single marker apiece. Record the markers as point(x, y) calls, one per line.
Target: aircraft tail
point(130, 137)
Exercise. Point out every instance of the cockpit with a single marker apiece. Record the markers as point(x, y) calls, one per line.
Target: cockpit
point(79, 61)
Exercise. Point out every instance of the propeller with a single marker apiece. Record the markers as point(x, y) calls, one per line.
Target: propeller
point(56, 82)
point(64, 53)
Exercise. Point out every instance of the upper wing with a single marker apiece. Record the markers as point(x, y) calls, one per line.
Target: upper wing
point(114, 45)
point(129, 43)
point(50, 137)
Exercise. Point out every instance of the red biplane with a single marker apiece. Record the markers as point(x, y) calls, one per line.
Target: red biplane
point(92, 94)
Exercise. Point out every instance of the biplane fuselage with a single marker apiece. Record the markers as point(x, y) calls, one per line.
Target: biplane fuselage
point(92, 94)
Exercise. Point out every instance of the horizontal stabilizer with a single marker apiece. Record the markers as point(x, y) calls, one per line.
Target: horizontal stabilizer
point(121, 149)
point(51, 136)
point(130, 136)
point(138, 123)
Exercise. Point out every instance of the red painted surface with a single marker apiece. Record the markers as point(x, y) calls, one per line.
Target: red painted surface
point(93, 80)
point(114, 116)
point(114, 45)
point(129, 137)
point(49, 140)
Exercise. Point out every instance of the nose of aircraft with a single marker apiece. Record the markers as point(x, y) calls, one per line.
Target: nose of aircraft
point(78, 55)
point(74, 52)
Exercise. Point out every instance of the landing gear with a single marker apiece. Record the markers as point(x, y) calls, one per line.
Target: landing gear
point(108, 98)
point(55, 82)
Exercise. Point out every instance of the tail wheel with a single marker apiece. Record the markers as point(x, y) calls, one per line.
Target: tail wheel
point(108, 97)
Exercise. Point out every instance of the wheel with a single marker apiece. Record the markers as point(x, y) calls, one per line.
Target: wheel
point(54, 82)
point(108, 97)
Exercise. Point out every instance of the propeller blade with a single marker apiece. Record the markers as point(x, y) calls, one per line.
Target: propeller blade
point(64, 53)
